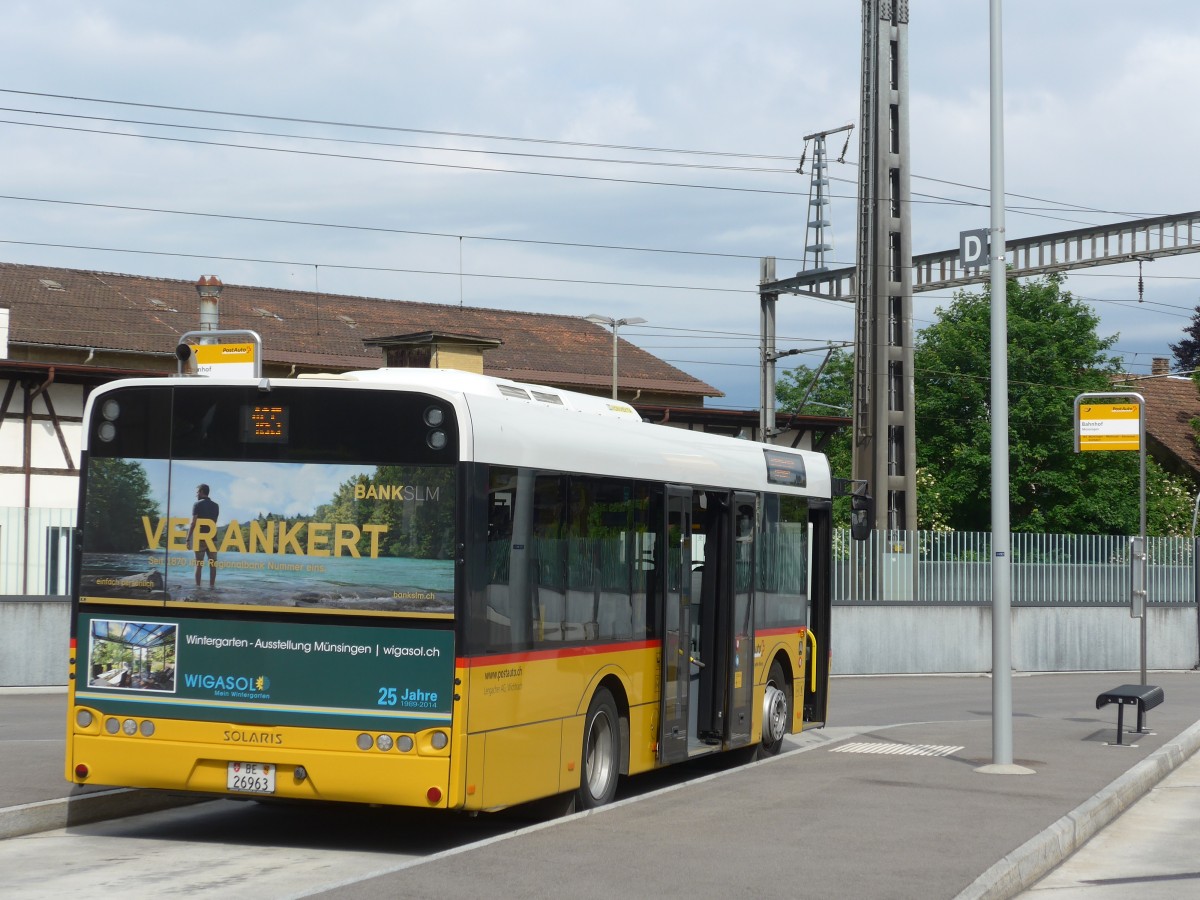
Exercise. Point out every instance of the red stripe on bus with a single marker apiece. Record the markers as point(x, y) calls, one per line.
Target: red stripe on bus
point(468, 662)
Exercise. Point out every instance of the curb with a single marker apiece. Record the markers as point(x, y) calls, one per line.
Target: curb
point(1022, 868)
point(83, 809)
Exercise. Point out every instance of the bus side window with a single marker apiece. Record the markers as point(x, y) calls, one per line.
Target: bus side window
point(600, 559)
point(501, 497)
point(548, 564)
point(644, 589)
point(782, 568)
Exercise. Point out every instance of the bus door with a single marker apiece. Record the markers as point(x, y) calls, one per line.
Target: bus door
point(675, 596)
point(724, 626)
point(816, 690)
point(740, 636)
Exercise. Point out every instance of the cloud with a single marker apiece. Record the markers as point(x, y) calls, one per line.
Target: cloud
point(1097, 115)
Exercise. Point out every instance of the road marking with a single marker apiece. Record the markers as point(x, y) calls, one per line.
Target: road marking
point(897, 749)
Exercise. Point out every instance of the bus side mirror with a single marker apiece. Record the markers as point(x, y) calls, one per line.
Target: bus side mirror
point(862, 509)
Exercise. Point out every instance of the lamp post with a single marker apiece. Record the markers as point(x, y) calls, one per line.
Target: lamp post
point(615, 325)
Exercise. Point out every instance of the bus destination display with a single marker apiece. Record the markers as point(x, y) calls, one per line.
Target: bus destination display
point(785, 468)
point(265, 424)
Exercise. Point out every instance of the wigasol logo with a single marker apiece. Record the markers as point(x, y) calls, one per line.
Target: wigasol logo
point(228, 683)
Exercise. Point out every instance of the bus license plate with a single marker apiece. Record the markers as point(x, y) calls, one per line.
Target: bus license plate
point(251, 778)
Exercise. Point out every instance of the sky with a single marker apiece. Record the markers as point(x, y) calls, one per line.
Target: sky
point(246, 490)
point(614, 158)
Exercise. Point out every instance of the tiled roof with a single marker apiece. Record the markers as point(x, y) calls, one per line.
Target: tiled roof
point(1171, 403)
point(70, 308)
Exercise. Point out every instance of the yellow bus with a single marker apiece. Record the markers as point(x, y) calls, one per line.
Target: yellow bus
point(434, 589)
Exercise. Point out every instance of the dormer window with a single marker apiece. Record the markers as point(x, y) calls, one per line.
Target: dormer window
point(434, 350)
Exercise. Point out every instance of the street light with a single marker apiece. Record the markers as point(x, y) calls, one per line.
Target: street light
point(615, 325)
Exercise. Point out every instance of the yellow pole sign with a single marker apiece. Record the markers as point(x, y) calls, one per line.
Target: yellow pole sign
point(225, 360)
point(1108, 426)
point(235, 353)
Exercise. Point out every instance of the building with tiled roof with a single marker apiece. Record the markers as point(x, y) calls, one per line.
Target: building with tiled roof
point(1172, 402)
point(130, 322)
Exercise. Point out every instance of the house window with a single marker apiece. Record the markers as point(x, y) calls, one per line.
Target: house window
point(58, 559)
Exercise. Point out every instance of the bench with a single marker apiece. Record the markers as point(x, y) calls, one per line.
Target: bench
point(1144, 696)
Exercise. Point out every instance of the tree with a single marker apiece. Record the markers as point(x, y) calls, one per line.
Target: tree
point(833, 394)
point(118, 496)
point(1054, 354)
point(1187, 351)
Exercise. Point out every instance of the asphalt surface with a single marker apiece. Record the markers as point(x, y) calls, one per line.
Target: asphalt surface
point(885, 802)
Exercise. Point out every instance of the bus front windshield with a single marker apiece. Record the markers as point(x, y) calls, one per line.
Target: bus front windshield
point(301, 499)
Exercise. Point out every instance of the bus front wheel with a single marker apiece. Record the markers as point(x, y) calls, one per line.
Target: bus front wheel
point(777, 712)
point(601, 753)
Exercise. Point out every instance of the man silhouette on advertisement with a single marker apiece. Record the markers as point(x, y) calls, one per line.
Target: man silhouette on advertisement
point(205, 509)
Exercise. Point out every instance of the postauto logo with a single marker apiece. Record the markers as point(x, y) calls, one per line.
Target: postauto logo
point(244, 686)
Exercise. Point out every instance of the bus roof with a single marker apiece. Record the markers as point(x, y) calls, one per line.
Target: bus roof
point(470, 384)
point(541, 427)
point(512, 423)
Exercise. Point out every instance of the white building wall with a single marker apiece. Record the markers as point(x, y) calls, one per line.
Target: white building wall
point(12, 436)
point(58, 491)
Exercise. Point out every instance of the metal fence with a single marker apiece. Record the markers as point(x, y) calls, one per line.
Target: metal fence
point(1045, 569)
point(35, 551)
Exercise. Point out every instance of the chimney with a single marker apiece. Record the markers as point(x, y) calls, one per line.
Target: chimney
point(209, 288)
point(1160, 366)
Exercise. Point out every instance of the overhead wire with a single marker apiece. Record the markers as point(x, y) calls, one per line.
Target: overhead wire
point(930, 198)
point(510, 138)
point(330, 140)
point(390, 269)
point(269, 220)
point(396, 128)
point(406, 162)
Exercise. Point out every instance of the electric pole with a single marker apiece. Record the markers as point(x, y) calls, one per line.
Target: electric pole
point(884, 421)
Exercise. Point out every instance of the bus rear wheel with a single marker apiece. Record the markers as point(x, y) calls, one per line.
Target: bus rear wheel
point(777, 712)
point(601, 753)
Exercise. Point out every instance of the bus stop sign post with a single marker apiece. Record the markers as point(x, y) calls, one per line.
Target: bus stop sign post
point(211, 354)
point(1117, 421)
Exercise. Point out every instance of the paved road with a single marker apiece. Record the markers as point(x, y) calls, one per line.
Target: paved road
point(837, 819)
